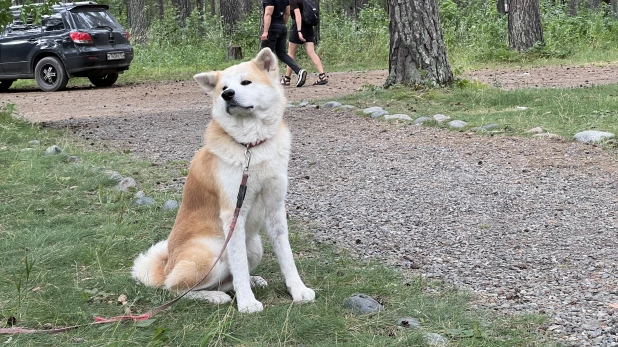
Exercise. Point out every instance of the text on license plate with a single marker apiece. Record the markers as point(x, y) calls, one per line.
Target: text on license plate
point(115, 56)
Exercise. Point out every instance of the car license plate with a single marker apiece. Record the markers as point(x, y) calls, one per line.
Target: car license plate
point(115, 56)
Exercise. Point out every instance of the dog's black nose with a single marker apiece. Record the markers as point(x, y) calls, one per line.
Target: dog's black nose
point(228, 94)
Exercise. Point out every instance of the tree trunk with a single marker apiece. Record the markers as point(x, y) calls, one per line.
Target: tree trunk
point(573, 8)
point(502, 6)
point(231, 11)
point(213, 8)
point(137, 20)
point(161, 9)
point(594, 4)
point(524, 24)
point(417, 51)
point(614, 5)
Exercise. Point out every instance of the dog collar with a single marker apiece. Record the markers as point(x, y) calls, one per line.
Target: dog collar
point(252, 144)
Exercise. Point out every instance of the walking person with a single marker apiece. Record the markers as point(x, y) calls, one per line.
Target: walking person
point(276, 15)
point(303, 34)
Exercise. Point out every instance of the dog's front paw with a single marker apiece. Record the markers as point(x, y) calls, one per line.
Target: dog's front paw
point(252, 306)
point(259, 282)
point(302, 294)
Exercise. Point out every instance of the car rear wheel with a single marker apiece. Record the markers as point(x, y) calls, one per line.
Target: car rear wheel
point(50, 74)
point(5, 85)
point(104, 80)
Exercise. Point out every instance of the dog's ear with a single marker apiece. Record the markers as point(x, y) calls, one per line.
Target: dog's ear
point(267, 61)
point(207, 80)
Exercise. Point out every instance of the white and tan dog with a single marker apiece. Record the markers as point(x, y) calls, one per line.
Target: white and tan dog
point(248, 107)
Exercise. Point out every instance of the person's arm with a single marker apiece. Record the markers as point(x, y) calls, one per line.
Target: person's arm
point(268, 14)
point(299, 24)
point(286, 14)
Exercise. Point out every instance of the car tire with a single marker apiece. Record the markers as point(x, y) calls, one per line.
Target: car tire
point(50, 74)
point(5, 85)
point(104, 80)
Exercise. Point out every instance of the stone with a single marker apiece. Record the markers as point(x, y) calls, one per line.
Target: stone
point(378, 114)
point(347, 107)
point(371, 110)
point(139, 194)
point(34, 143)
point(397, 116)
point(303, 104)
point(440, 118)
point(536, 130)
point(457, 124)
point(53, 150)
point(73, 159)
point(145, 201)
point(485, 127)
point(421, 120)
point(434, 339)
point(332, 104)
point(409, 322)
point(170, 205)
point(362, 303)
point(592, 136)
point(113, 175)
point(126, 184)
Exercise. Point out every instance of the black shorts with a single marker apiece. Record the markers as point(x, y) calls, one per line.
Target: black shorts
point(307, 31)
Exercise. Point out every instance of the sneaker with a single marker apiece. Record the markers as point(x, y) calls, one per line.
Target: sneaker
point(302, 76)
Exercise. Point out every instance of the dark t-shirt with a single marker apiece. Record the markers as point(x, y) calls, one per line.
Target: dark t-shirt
point(296, 4)
point(279, 10)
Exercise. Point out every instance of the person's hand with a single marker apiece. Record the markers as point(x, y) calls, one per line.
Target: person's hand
point(300, 36)
point(264, 36)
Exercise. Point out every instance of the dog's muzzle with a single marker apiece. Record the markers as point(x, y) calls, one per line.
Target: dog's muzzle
point(230, 102)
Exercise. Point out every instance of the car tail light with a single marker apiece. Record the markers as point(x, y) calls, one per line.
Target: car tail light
point(127, 35)
point(80, 37)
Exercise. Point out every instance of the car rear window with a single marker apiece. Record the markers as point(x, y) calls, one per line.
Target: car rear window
point(90, 19)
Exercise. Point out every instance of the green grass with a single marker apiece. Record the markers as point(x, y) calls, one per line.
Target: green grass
point(67, 242)
point(560, 111)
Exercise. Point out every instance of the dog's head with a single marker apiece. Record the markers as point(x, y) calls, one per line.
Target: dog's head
point(249, 89)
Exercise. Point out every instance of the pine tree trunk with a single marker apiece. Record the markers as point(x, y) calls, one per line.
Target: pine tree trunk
point(213, 6)
point(594, 4)
point(524, 24)
point(417, 51)
point(231, 11)
point(138, 21)
point(573, 8)
point(614, 5)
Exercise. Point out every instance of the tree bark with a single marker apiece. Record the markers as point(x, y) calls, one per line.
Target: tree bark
point(137, 20)
point(213, 8)
point(417, 51)
point(594, 4)
point(573, 8)
point(501, 6)
point(614, 5)
point(524, 24)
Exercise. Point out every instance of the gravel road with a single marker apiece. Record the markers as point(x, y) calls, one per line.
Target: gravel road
point(528, 224)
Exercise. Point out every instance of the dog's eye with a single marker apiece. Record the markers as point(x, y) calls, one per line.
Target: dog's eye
point(224, 88)
point(245, 83)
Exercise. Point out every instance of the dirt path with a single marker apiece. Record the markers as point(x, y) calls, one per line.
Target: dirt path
point(527, 224)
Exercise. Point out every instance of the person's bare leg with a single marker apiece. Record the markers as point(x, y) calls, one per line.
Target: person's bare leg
point(310, 48)
point(292, 48)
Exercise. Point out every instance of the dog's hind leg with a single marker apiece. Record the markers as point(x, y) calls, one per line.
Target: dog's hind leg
point(210, 296)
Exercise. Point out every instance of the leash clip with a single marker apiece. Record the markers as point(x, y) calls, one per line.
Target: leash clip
point(248, 158)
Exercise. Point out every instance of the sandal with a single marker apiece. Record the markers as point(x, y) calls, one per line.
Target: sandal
point(285, 80)
point(322, 79)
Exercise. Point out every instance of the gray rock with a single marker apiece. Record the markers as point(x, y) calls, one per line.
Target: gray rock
point(127, 184)
point(347, 107)
point(440, 118)
point(486, 127)
point(303, 104)
point(139, 194)
point(371, 110)
point(145, 201)
point(332, 104)
point(73, 159)
point(170, 205)
point(34, 143)
point(592, 136)
point(535, 130)
point(397, 116)
point(457, 124)
point(53, 150)
point(113, 175)
point(409, 322)
point(362, 303)
point(421, 120)
point(378, 114)
point(434, 339)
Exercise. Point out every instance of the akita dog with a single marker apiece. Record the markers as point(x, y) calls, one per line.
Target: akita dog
point(247, 112)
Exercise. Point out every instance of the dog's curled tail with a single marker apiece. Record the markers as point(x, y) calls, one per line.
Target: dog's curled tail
point(149, 267)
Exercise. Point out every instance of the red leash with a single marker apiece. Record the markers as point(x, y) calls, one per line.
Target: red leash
point(242, 190)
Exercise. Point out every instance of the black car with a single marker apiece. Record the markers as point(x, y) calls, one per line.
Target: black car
point(79, 39)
